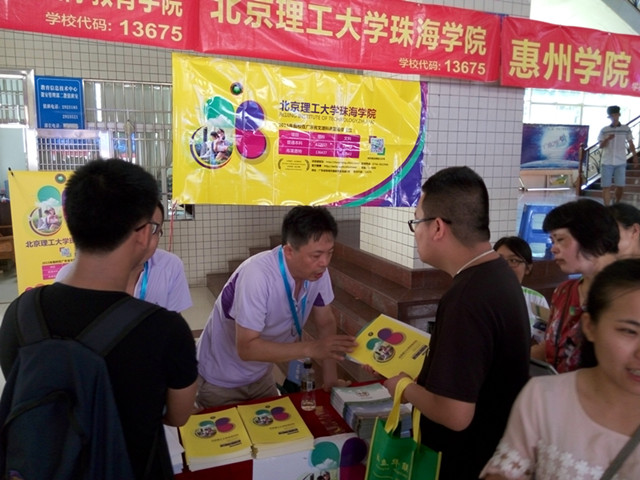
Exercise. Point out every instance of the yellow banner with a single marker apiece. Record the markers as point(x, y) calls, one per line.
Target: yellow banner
point(41, 238)
point(257, 134)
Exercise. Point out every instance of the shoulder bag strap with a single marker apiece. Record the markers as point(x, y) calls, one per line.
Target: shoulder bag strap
point(115, 323)
point(31, 325)
point(622, 456)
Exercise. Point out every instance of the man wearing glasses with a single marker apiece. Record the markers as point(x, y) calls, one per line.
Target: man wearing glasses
point(160, 278)
point(257, 319)
point(479, 352)
point(153, 367)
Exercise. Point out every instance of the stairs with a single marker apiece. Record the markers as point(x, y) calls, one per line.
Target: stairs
point(366, 285)
point(631, 193)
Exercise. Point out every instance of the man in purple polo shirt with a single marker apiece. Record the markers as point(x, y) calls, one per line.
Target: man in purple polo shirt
point(258, 317)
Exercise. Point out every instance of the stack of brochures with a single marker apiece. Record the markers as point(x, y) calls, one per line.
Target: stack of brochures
point(213, 439)
point(175, 448)
point(360, 406)
point(342, 456)
point(275, 428)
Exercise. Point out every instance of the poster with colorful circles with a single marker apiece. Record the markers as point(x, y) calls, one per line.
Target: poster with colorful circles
point(248, 133)
point(337, 457)
point(390, 347)
point(41, 239)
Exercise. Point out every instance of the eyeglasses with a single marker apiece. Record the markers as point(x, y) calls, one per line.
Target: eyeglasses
point(412, 223)
point(155, 228)
point(515, 262)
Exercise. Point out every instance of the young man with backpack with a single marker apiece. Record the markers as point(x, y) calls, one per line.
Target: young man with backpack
point(150, 362)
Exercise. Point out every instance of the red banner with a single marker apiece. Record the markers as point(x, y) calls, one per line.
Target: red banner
point(543, 55)
point(382, 35)
point(158, 23)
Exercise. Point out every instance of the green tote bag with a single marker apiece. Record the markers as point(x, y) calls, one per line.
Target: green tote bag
point(395, 458)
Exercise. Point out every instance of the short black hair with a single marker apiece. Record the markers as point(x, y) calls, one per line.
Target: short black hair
point(105, 200)
point(518, 246)
point(625, 214)
point(613, 109)
point(304, 223)
point(459, 195)
point(589, 222)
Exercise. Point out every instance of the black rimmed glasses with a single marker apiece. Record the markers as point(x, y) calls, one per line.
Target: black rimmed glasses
point(515, 262)
point(412, 223)
point(155, 228)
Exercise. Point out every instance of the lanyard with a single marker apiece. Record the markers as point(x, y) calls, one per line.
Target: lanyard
point(145, 279)
point(287, 287)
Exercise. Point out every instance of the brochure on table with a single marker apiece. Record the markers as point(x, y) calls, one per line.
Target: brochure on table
point(213, 439)
point(275, 428)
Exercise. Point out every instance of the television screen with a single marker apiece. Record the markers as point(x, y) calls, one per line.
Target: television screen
point(552, 146)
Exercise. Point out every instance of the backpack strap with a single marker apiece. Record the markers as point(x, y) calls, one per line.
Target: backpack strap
point(32, 326)
point(101, 335)
point(115, 323)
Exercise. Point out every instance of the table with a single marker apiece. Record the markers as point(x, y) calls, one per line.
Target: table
point(323, 421)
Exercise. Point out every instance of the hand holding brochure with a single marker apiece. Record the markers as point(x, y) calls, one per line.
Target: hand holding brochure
point(390, 347)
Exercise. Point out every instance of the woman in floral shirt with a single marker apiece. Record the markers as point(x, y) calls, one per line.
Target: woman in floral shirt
point(584, 238)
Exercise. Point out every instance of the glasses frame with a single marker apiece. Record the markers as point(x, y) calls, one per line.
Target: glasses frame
point(155, 228)
point(515, 262)
point(412, 223)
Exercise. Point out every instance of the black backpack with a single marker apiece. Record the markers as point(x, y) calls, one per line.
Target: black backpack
point(58, 417)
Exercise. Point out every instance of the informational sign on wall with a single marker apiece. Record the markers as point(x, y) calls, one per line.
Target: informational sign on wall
point(41, 238)
point(256, 134)
point(60, 102)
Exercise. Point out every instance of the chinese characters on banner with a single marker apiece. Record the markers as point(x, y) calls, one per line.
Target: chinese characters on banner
point(543, 55)
point(157, 23)
point(255, 134)
point(41, 238)
point(383, 35)
point(392, 36)
point(379, 35)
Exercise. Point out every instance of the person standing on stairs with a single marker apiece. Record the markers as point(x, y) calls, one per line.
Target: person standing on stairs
point(257, 319)
point(613, 140)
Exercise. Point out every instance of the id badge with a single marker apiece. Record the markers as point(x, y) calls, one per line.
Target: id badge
point(294, 372)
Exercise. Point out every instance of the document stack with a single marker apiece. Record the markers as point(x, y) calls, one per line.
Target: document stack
point(175, 448)
point(214, 439)
point(360, 406)
point(275, 428)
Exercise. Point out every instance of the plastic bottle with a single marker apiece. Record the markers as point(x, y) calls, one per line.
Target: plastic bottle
point(308, 385)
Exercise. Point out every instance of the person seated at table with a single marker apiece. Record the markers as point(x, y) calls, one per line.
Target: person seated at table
point(257, 319)
point(572, 426)
point(160, 279)
point(517, 253)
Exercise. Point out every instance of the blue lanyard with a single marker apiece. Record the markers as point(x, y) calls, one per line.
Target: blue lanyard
point(287, 287)
point(145, 279)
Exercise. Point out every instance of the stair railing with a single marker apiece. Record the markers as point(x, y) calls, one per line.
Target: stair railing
point(590, 159)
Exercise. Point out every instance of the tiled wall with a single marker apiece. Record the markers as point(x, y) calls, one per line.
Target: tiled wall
point(471, 124)
point(468, 124)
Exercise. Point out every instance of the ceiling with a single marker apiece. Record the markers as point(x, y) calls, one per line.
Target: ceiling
point(615, 16)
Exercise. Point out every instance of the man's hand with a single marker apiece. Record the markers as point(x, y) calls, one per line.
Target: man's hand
point(391, 383)
point(332, 347)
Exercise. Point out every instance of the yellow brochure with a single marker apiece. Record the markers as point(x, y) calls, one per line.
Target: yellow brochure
point(390, 347)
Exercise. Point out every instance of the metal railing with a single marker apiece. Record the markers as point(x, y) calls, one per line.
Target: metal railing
point(590, 162)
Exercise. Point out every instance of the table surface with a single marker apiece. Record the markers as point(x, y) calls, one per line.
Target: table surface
point(323, 421)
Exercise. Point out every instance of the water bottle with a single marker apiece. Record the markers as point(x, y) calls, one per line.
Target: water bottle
point(308, 385)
